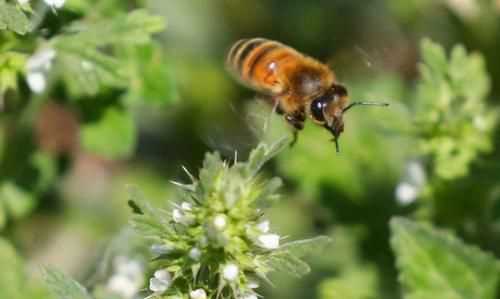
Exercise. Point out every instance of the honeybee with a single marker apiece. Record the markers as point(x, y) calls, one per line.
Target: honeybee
point(297, 85)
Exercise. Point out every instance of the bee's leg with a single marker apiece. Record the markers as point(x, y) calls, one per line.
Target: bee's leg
point(297, 121)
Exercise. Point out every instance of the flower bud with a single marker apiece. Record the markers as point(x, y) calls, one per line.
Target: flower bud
point(183, 217)
point(220, 222)
point(198, 294)
point(160, 282)
point(230, 272)
point(195, 254)
point(263, 226)
point(160, 249)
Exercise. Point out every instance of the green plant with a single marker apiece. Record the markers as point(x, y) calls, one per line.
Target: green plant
point(215, 241)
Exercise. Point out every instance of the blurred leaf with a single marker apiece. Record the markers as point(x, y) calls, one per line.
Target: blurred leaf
point(12, 280)
point(13, 18)
point(113, 136)
point(151, 80)
point(11, 64)
point(263, 153)
point(47, 170)
point(435, 264)
point(359, 283)
point(452, 119)
point(134, 28)
point(16, 201)
point(64, 287)
point(87, 61)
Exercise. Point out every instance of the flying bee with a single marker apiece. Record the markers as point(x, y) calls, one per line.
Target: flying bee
point(297, 85)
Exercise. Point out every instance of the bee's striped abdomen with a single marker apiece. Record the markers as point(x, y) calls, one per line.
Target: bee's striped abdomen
point(245, 57)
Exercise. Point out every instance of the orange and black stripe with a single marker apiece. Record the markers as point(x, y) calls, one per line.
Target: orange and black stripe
point(245, 55)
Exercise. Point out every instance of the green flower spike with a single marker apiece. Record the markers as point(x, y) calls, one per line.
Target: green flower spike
point(214, 242)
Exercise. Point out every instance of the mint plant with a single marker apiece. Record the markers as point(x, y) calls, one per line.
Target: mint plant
point(435, 264)
point(68, 62)
point(453, 121)
point(214, 241)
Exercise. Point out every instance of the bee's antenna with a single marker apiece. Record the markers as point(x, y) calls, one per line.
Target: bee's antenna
point(383, 104)
point(337, 147)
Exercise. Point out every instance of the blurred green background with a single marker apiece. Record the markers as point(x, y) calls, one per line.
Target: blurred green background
point(68, 153)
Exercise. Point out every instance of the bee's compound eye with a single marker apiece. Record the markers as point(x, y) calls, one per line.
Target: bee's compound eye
point(317, 107)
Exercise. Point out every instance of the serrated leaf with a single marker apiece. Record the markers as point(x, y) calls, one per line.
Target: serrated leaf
point(63, 287)
point(89, 70)
point(113, 136)
point(13, 18)
point(435, 264)
point(302, 248)
point(149, 223)
point(434, 56)
point(89, 61)
point(263, 153)
point(133, 28)
point(151, 78)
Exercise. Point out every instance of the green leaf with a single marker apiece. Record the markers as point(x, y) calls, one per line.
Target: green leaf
point(359, 283)
point(151, 80)
point(13, 18)
point(88, 62)
point(12, 280)
point(64, 287)
point(11, 64)
point(263, 153)
point(434, 56)
point(47, 170)
point(16, 201)
point(133, 28)
point(113, 136)
point(435, 264)
point(453, 120)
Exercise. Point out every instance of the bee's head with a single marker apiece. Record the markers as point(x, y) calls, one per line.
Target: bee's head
point(328, 109)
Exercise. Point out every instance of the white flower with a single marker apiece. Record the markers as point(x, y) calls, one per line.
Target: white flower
point(36, 81)
point(268, 241)
point(230, 272)
point(55, 3)
point(252, 284)
point(160, 249)
point(411, 184)
point(160, 282)
point(127, 279)
point(186, 206)
point(182, 216)
point(37, 68)
point(263, 226)
point(195, 254)
point(198, 294)
point(220, 222)
point(406, 193)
